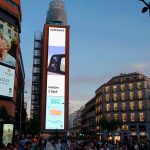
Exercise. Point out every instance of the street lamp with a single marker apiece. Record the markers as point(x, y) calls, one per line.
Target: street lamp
point(20, 119)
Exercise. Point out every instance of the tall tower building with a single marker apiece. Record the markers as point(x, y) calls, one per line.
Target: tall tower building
point(52, 104)
point(36, 76)
point(56, 14)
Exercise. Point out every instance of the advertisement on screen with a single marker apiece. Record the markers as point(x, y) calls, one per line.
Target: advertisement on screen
point(7, 133)
point(8, 47)
point(7, 81)
point(55, 79)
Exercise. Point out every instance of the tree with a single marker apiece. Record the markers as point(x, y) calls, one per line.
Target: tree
point(109, 125)
point(34, 126)
point(147, 6)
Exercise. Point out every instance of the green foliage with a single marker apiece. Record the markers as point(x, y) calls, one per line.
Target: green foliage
point(147, 4)
point(109, 125)
point(34, 126)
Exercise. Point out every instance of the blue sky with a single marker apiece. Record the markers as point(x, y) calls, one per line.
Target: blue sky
point(106, 38)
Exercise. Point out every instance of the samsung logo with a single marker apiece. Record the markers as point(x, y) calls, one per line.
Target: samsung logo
point(56, 29)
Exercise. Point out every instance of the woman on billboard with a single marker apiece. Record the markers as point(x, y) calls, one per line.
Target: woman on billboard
point(5, 46)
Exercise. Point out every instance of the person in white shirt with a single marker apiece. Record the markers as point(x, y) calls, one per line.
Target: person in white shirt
point(58, 145)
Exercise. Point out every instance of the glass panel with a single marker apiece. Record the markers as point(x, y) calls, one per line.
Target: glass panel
point(131, 95)
point(140, 105)
point(123, 96)
point(123, 106)
point(140, 94)
point(131, 86)
point(115, 97)
point(107, 97)
point(124, 117)
point(114, 88)
point(132, 117)
point(115, 106)
point(131, 105)
point(122, 88)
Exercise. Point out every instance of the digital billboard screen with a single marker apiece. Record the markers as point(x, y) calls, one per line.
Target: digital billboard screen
point(55, 79)
point(8, 46)
point(7, 133)
point(6, 81)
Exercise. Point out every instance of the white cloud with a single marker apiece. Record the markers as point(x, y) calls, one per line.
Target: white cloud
point(140, 66)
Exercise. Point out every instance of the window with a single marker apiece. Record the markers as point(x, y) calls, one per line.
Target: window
point(148, 85)
point(130, 86)
point(107, 89)
point(131, 105)
point(108, 116)
point(98, 100)
point(36, 70)
point(98, 109)
point(107, 107)
point(114, 88)
point(139, 85)
point(37, 53)
point(123, 96)
point(131, 95)
point(36, 78)
point(142, 128)
point(132, 117)
point(123, 106)
point(107, 97)
point(141, 117)
point(140, 105)
point(115, 106)
point(115, 116)
point(125, 127)
point(122, 88)
point(36, 61)
point(139, 94)
point(115, 97)
point(37, 45)
point(124, 117)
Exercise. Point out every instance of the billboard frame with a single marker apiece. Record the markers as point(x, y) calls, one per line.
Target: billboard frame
point(44, 79)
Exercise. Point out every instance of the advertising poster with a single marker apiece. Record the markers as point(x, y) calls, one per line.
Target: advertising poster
point(55, 79)
point(8, 46)
point(7, 81)
point(7, 133)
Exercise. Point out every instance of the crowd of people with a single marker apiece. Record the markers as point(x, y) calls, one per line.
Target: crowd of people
point(38, 143)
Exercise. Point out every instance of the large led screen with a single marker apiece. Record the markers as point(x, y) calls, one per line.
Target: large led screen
point(8, 46)
point(55, 79)
point(7, 133)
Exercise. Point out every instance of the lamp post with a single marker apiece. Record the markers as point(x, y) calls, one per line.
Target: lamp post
point(20, 117)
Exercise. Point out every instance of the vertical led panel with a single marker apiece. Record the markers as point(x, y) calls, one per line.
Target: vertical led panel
point(55, 93)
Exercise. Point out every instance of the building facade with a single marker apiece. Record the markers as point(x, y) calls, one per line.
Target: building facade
point(36, 76)
point(12, 73)
point(88, 121)
point(126, 98)
point(72, 117)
